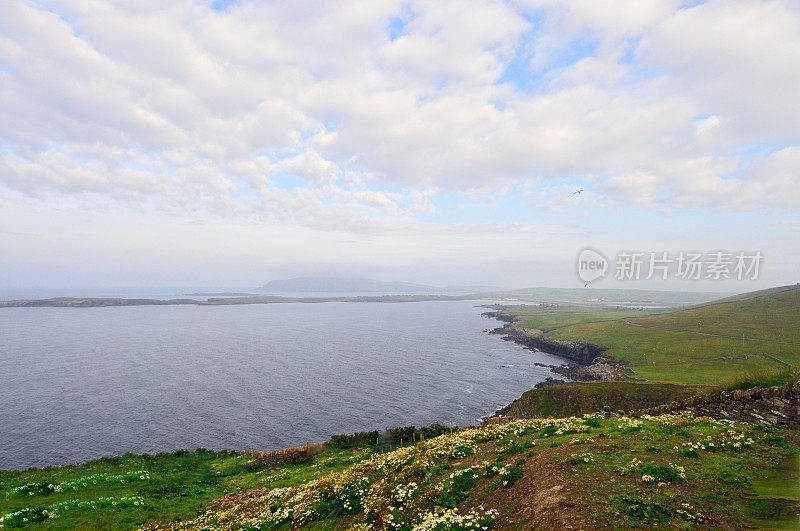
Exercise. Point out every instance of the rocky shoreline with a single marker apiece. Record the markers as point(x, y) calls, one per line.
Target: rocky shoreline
point(585, 361)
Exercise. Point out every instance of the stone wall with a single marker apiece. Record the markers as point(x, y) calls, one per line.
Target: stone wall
point(776, 406)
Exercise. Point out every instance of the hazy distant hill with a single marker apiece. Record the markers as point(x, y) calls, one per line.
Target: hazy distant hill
point(360, 285)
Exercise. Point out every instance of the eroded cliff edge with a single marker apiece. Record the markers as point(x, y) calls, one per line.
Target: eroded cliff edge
point(586, 361)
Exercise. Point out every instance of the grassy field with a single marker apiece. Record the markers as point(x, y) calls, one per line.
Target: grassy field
point(771, 318)
point(127, 491)
point(670, 472)
point(586, 397)
point(687, 346)
point(547, 319)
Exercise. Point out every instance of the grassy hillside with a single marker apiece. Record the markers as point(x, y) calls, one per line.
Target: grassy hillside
point(670, 472)
point(753, 294)
point(688, 346)
point(770, 318)
point(547, 319)
point(127, 491)
point(586, 397)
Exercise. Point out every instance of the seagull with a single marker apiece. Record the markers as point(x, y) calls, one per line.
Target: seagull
point(579, 191)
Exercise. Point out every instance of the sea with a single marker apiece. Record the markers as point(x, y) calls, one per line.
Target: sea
point(80, 383)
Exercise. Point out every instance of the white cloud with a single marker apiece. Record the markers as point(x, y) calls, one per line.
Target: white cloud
point(181, 105)
point(738, 59)
point(638, 187)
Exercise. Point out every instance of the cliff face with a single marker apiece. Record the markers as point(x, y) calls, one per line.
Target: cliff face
point(578, 351)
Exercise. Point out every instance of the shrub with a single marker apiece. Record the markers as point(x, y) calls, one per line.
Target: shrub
point(507, 475)
point(35, 489)
point(491, 469)
point(359, 438)
point(26, 516)
point(514, 449)
point(511, 476)
point(350, 500)
point(404, 433)
point(662, 472)
point(458, 488)
point(434, 430)
point(639, 507)
point(410, 433)
point(548, 432)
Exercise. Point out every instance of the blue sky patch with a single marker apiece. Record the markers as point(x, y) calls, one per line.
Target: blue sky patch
point(223, 5)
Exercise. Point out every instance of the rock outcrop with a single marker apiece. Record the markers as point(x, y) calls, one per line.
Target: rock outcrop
point(774, 406)
point(590, 362)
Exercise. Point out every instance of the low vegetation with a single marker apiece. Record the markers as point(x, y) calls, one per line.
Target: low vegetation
point(548, 318)
point(586, 397)
point(125, 492)
point(748, 380)
point(697, 346)
point(666, 471)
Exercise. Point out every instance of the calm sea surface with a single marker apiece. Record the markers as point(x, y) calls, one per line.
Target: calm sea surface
point(80, 383)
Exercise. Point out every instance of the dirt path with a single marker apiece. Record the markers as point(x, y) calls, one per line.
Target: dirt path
point(542, 498)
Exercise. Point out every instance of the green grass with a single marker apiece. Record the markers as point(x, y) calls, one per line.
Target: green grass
point(707, 373)
point(597, 464)
point(774, 495)
point(748, 380)
point(772, 318)
point(677, 347)
point(546, 319)
point(177, 486)
point(579, 398)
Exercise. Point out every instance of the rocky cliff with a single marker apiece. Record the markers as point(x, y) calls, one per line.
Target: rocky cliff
point(589, 361)
point(774, 406)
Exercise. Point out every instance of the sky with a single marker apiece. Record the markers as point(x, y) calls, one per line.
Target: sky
point(228, 143)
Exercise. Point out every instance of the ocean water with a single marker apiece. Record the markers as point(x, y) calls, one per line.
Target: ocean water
point(80, 383)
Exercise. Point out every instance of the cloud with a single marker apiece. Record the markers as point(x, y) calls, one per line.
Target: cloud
point(650, 103)
point(736, 59)
point(638, 187)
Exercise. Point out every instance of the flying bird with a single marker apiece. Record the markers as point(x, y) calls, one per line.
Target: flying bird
point(577, 192)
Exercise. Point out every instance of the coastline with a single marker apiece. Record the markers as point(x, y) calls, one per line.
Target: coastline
point(104, 302)
point(585, 362)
